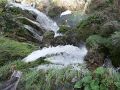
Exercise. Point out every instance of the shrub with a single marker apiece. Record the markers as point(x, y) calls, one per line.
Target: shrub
point(115, 49)
point(100, 79)
point(92, 19)
point(96, 41)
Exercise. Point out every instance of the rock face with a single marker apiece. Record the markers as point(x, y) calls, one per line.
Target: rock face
point(47, 4)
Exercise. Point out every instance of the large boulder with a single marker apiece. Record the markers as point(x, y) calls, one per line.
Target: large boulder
point(46, 5)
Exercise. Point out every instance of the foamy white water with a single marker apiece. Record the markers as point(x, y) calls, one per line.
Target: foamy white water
point(64, 55)
point(49, 66)
point(44, 22)
point(78, 67)
point(67, 12)
point(35, 34)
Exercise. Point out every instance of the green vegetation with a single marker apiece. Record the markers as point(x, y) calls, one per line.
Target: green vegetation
point(100, 30)
point(6, 70)
point(52, 79)
point(96, 41)
point(64, 29)
point(115, 49)
point(3, 1)
point(11, 50)
point(93, 19)
point(100, 79)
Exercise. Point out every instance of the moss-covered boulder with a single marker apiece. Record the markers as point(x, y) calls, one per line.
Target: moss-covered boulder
point(55, 11)
point(64, 29)
point(48, 38)
point(109, 28)
point(96, 41)
point(11, 50)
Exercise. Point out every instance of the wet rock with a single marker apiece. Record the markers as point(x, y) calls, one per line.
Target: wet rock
point(94, 59)
point(55, 11)
point(60, 40)
point(32, 23)
point(48, 38)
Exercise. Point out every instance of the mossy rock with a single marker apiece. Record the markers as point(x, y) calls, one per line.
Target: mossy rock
point(55, 11)
point(64, 29)
point(109, 28)
point(48, 38)
point(90, 26)
point(96, 41)
point(12, 50)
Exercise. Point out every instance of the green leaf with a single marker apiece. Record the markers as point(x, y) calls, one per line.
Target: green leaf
point(117, 84)
point(78, 84)
point(94, 85)
point(87, 79)
point(100, 71)
point(103, 87)
point(87, 87)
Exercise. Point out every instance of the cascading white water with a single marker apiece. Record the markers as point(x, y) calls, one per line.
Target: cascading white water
point(67, 12)
point(35, 34)
point(44, 22)
point(59, 56)
point(62, 55)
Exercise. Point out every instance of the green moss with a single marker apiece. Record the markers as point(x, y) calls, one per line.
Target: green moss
point(64, 29)
point(12, 50)
point(15, 11)
point(3, 1)
point(96, 40)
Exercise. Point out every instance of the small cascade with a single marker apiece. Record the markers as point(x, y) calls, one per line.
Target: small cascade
point(67, 12)
point(33, 31)
point(59, 55)
point(45, 22)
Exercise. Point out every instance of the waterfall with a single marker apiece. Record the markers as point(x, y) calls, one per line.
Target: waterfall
point(44, 22)
point(35, 34)
point(63, 55)
point(59, 56)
